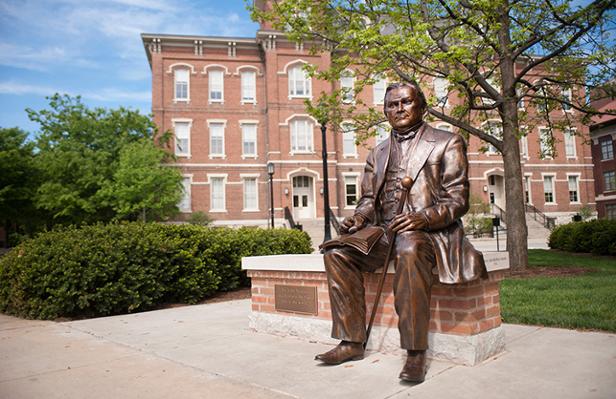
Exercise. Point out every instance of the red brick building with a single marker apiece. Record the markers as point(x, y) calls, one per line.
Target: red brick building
point(236, 104)
point(603, 135)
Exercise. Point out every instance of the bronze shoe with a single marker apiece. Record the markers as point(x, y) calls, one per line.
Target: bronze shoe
point(344, 352)
point(414, 369)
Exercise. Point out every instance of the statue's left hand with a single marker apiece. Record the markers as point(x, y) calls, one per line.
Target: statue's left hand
point(408, 222)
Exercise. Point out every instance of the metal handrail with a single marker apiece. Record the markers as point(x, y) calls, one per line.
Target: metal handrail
point(498, 211)
point(334, 221)
point(546, 221)
point(289, 217)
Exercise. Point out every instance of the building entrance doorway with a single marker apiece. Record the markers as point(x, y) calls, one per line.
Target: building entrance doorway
point(303, 198)
point(496, 191)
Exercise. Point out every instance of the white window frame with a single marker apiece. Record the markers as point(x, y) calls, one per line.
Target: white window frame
point(524, 147)
point(347, 90)
point(491, 150)
point(245, 178)
point(570, 136)
point(175, 137)
point(211, 75)
point(210, 178)
point(606, 139)
point(186, 194)
point(296, 73)
point(255, 124)
point(294, 137)
point(577, 187)
point(384, 127)
point(441, 85)
point(549, 154)
point(348, 134)
point(216, 122)
point(528, 177)
point(248, 86)
point(605, 187)
point(177, 99)
point(379, 84)
point(553, 176)
point(353, 175)
point(567, 95)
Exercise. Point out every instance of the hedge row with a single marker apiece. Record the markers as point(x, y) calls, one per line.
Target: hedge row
point(101, 270)
point(596, 236)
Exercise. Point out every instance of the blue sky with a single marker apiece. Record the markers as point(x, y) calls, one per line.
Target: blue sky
point(93, 48)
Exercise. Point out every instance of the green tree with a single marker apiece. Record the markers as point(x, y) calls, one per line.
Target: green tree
point(142, 186)
point(492, 54)
point(79, 151)
point(19, 178)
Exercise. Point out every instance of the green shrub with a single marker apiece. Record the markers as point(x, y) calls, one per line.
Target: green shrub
point(118, 268)
point(596, 236)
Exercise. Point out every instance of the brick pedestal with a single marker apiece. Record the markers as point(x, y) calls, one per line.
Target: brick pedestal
point(464, 324)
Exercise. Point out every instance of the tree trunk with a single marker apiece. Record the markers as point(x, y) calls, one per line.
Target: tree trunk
point(517, 232)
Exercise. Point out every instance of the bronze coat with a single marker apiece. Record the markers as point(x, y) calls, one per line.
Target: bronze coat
point(439, 169)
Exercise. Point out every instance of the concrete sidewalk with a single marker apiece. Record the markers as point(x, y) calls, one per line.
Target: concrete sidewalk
point(207, 351)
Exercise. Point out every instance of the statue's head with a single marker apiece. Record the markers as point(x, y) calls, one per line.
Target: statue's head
point(404, 105)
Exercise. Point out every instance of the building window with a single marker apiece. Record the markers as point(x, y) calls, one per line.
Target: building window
point(548, 189)
point(299, 82)
point(216, 85)
point(494, 129)
point(607, 148)
point(519, 92)
point(350, 190)
point(573, 189)
point(382, 134)
point(185, 205)
point(301, 136)
point(610, 211)
point(570, 143)
point(182, 138)
point(567, 96)
point(249, 140)
point(524, 147)
point(609, 181)
point(181, 79)
point(249, 86)
point(527, 189)
point(441, 91)
point(217, 139)
point(378, 90)
point(250, 194)
point(546, 143)
point(347, 84)
point(217, 194)
point(348, 140)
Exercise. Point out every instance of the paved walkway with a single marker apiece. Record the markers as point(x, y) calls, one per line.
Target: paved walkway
point(207, 351)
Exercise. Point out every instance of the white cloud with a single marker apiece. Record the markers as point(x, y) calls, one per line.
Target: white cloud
point(104, 95)
point(19, 89)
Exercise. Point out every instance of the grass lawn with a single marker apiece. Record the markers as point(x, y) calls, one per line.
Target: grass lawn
point(586, 301)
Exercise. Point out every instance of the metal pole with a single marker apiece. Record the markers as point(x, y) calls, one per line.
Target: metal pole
point(497, 246)
point(327, 234)
point(271, 181)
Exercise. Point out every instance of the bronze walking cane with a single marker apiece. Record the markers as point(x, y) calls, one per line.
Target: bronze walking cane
point(407, 183)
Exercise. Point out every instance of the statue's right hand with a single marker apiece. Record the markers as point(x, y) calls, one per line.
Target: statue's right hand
point(351, 224)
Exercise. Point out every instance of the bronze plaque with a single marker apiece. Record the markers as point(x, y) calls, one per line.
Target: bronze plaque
point(296, 298)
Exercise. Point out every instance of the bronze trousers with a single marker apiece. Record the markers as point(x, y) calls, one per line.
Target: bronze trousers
point(413, 259)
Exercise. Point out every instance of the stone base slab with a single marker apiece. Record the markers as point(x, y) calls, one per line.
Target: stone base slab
point(466, 350)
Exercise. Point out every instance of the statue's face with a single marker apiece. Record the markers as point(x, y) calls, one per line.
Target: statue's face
point(403, 108)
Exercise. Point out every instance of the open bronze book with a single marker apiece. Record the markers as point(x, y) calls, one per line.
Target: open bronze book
point(363, 240)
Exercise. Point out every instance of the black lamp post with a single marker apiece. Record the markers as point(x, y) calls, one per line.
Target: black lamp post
point(270, 172)
point(328, 233)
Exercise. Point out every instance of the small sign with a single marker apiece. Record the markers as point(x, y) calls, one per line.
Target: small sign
point(295, 298)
